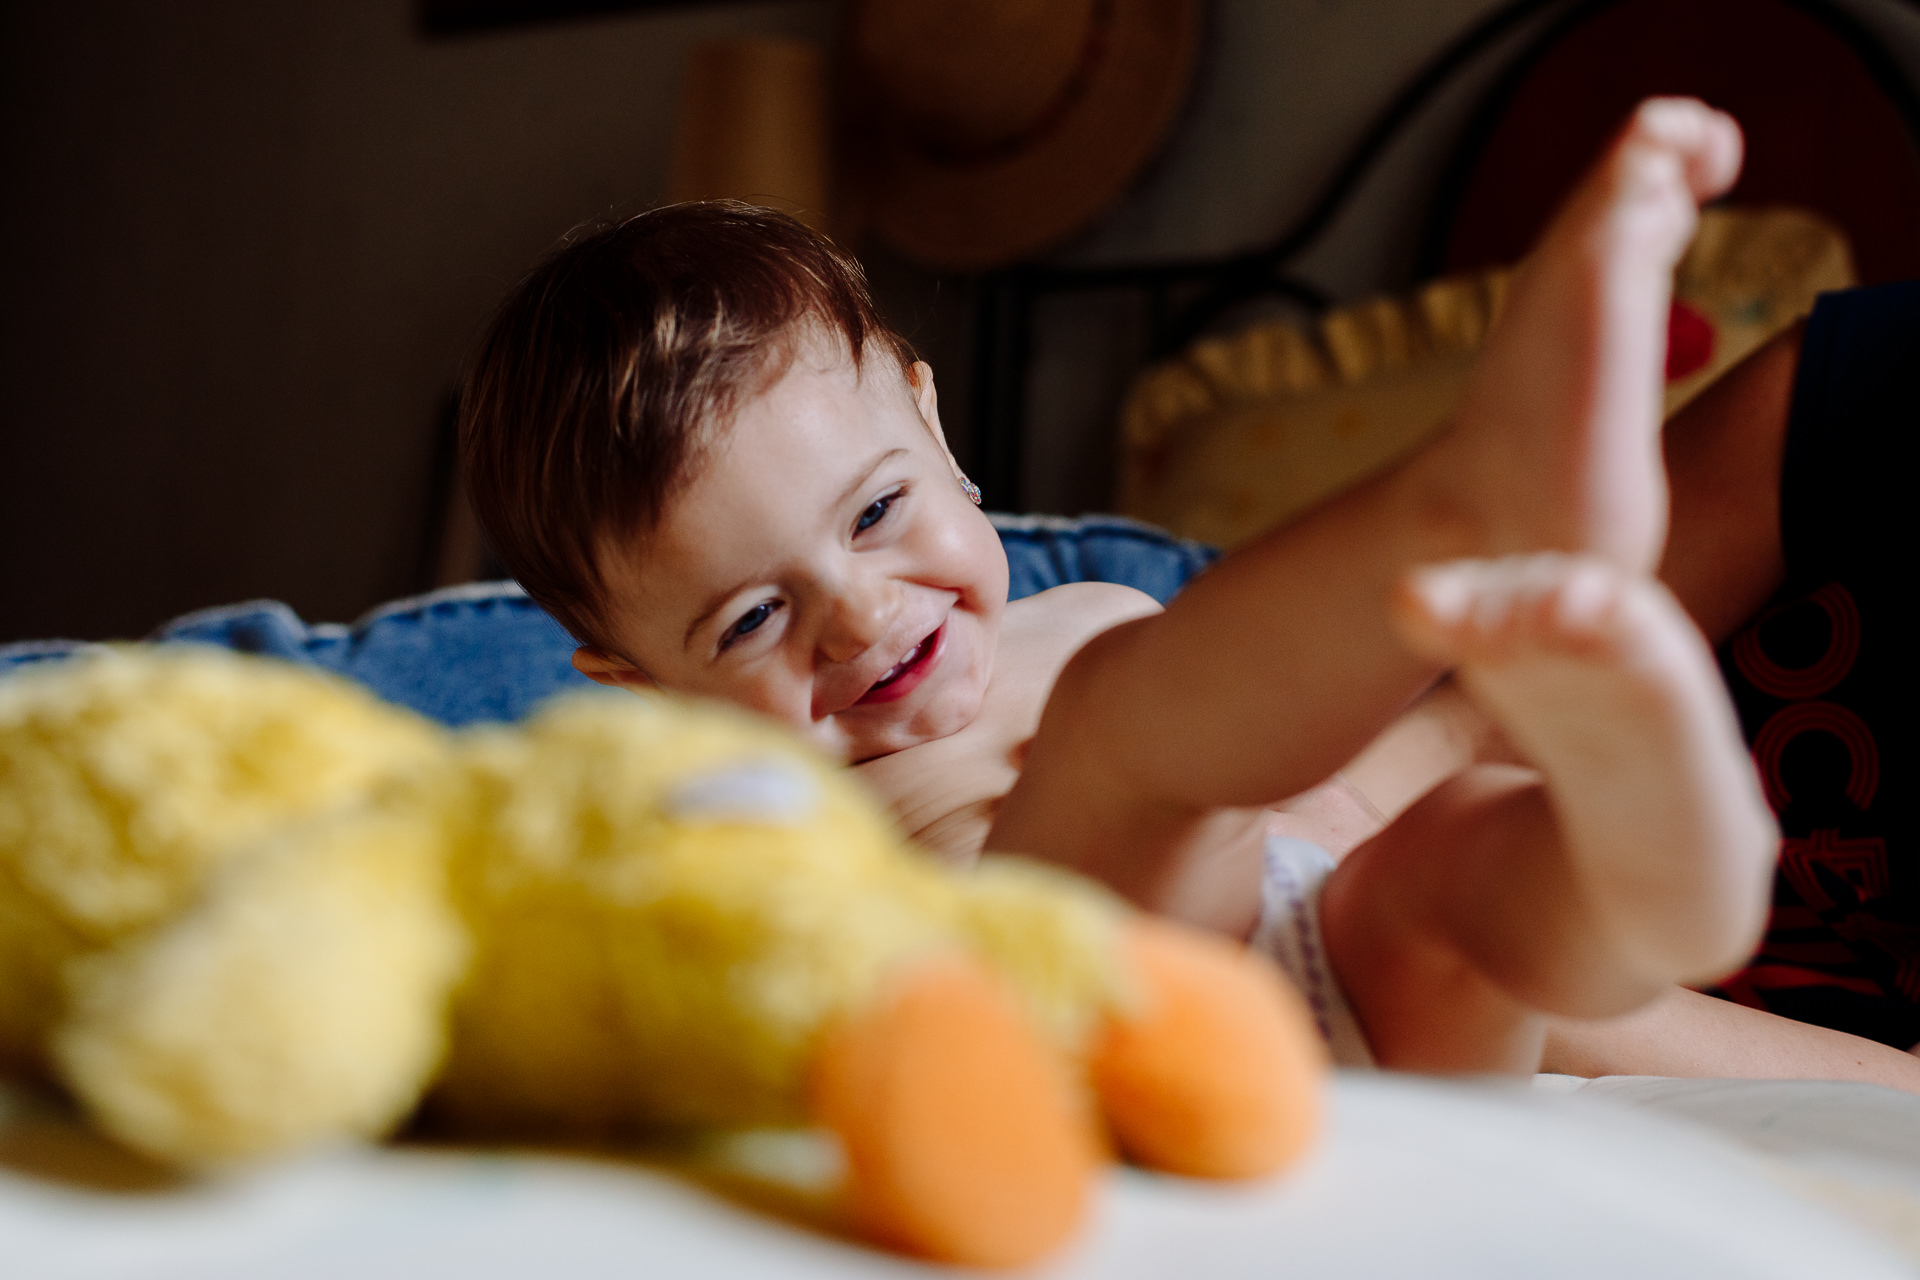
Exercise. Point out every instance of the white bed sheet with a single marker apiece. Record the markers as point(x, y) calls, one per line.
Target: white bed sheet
point(1627, 1177)
point(1854, 1148)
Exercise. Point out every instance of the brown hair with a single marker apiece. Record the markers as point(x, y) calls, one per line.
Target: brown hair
point(611, 366)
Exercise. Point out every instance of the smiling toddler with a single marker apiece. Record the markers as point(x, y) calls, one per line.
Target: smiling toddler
point(692, 439)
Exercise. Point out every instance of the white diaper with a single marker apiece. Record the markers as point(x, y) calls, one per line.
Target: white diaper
point(1289, 931)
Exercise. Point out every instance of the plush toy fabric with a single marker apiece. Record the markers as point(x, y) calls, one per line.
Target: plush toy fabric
point(246, 907)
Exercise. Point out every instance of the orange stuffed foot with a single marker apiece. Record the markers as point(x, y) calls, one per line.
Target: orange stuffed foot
point(962, 1140)
point(1218, 1072)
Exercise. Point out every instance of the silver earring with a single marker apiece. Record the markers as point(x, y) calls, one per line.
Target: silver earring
point(971, 489)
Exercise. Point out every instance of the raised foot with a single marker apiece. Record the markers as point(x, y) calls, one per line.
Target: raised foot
point(1601, 681)
point(1559, 427)
point(1217, 1071)
point(962, 1140)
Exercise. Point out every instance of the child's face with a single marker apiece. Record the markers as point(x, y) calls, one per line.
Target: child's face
point(823, 567)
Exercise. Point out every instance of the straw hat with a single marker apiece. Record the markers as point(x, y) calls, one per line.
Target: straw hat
point(982, 131)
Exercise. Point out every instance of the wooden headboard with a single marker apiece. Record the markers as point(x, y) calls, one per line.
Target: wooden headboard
point(1833, 125)
point(1830, 120)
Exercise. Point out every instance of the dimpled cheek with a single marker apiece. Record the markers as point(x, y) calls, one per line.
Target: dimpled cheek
point(974, 562)
point(970, 656)
point(787, 699)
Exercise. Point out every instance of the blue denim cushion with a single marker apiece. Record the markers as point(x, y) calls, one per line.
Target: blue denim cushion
point(486, 652)
point(1045, 551)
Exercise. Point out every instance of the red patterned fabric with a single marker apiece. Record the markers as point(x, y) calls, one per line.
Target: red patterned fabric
point(1824, 682)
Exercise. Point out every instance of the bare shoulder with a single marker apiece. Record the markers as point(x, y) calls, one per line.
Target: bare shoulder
point(1041, 632)
point(1075, 612)
point(946, 792)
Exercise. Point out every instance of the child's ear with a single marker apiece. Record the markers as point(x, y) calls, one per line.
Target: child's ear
point(927, 400)
point(602, 667)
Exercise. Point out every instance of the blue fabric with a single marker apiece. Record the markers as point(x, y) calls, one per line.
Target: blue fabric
point(1045, 551)
point(485, 652)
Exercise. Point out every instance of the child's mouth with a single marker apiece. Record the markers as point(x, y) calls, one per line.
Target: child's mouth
point(904, 675)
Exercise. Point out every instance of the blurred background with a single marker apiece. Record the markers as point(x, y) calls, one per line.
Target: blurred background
point(248, 247)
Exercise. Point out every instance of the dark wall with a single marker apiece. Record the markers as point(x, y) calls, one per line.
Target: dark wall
point(247, 245)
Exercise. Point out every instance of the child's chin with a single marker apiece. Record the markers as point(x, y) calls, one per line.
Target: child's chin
point(953, 711)
point(944, 718)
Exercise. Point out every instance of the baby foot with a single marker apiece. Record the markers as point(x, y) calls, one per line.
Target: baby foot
point(1602, 682)
point(1561, 420)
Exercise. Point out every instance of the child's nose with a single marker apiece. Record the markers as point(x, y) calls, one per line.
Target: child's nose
point(861, 616)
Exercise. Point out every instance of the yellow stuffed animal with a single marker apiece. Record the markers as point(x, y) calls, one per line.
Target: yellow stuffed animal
point(245, 907)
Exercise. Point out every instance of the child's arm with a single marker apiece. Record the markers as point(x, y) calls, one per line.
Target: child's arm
point(1687, 1034)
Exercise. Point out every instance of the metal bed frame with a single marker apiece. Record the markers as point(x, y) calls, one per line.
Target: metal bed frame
point(1180, 298)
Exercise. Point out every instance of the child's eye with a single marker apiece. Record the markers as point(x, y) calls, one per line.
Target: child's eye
point(749, 622)
point(876, 512)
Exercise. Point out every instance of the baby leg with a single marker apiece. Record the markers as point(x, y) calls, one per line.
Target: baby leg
point(1637, 852)
point(1279, 664)
point(1558, 436)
